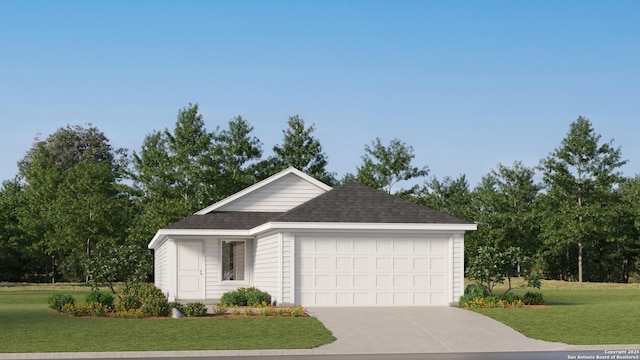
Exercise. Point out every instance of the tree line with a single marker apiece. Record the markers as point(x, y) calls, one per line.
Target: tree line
point(76, 198)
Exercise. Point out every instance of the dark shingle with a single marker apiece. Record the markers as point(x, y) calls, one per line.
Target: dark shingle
point(357, 203)
point(232, 220)
point(349, 203)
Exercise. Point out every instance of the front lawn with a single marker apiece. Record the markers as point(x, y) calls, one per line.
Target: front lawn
point(579, 314)
point(28, 325)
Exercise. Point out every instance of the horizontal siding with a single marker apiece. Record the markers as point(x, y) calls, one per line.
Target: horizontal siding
point(458, 267)
point(214, 286)
point(161, 267)
point(265, 268)
point(279, 196)
point(288, 291)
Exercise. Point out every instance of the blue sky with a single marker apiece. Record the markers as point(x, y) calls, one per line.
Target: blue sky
point(469, 84)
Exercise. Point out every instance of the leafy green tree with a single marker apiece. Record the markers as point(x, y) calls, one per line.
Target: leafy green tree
point(491, 266)
point(130, 264)
point(505, 209)
point(237, 153)
point(71, 182)
point(579, 178)
point(17, 262)
point(385, 166)
point(173, 174)
point(449, 195)
point(301, 150)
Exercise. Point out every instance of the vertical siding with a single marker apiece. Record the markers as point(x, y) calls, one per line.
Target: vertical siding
point(265, 267)
point(161, 271)
point(279, 196)
point(458, 267)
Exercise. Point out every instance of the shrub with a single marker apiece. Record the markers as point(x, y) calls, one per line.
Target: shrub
point(297, 311)
point(533, 298)
point(101, 297)
point(476, 291)
point(267, 310)
point(147, 292)
point(57, 301)
point(257, 297)
point(129, 302)
point(75, 309)
point(245, 297)
point(249, 312)
point(95, 309)
point(195, 309)
point(220, 309)
point(156, 307)
point(128, 314)
point(511, 297)
point(234, 298)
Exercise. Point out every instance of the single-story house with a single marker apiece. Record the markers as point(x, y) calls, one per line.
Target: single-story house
point(308, 244)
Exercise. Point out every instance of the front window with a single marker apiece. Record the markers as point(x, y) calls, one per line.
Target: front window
point(233, 260)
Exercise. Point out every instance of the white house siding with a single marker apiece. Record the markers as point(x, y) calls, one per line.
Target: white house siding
point(266, 265)
point(214, 286)
point(373, 270)
point(161, 267)
point(288, 268)
point(279, 196)
point(458, 267)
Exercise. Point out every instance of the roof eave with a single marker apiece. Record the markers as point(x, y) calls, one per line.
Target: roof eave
point(162, 234)
point(361, 226)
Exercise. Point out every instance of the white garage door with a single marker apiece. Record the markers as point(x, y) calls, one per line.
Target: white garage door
point(372, 271)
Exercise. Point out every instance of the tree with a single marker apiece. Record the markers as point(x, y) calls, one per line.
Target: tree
point(173, 175)
point(491, 266)
point(451, 196)
point(71, 182)
point(504, 203)
point(302, 151)
point(120, 263)
point(236, 152)
point(385, 166)
point(579, 179)
point(16, 260)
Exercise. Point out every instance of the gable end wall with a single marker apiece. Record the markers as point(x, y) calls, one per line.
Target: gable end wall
point(279, 196)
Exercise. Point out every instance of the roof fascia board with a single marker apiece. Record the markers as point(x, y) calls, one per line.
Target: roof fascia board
point(361, 226)
point(263, 183)
point(164, 233)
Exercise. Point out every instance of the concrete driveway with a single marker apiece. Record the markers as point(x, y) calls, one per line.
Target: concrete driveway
point(420, 330)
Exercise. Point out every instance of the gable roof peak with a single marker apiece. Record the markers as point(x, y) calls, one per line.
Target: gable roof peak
point(261, 184)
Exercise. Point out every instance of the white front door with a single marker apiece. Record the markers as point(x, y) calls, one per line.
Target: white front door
point(190, 271)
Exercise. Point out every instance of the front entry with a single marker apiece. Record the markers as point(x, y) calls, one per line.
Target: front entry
point(190, 271)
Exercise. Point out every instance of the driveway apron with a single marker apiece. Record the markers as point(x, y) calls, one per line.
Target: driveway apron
point(420, 330)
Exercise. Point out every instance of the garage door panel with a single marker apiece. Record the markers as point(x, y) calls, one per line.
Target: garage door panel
point(378, 271)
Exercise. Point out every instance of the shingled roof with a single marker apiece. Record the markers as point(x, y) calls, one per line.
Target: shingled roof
point(231, 220)
point(356, 203)
point(349, 203)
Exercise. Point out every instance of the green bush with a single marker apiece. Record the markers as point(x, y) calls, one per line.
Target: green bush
point(57, 301)
point(147, 292)
point(130, 302)
point(533, 298)
point(256, 297)
point(234, 298)
point(511, 297)
point(156, 307)
point(245, 297)
point(102, 297)
point(195, 309)
point(95, 308)
point(477, 291)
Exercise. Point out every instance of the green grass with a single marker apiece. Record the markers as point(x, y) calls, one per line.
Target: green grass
point(578, 314)
point(28, 325)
